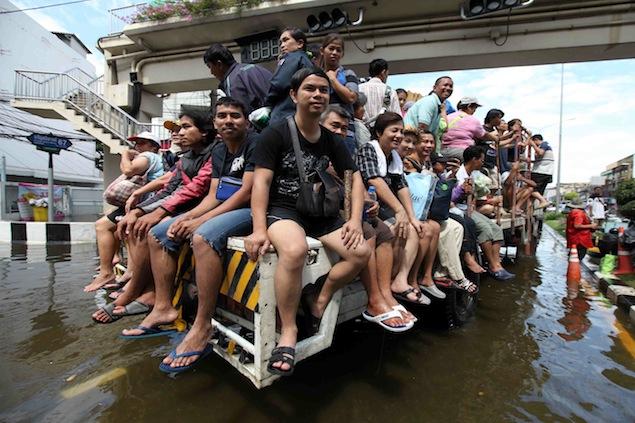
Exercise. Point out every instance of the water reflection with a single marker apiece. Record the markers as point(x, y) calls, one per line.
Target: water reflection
point(536, 351)
point(576, 307)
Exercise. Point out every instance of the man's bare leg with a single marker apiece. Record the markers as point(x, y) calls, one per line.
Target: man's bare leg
point(209, 276)
point(351, 262)
point(163, 264)
point(289, 240)
point(493, 259)
point(107, 246)
point(141, 282)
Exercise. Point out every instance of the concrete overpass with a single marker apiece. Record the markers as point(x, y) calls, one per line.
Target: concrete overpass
point(414, 36)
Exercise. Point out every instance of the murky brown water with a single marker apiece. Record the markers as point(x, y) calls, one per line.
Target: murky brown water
point(531, 354)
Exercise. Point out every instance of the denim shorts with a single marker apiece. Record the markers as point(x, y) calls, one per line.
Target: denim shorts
point(160, 233)
point(215, 231)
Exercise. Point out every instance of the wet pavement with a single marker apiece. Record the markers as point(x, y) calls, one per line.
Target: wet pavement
point(536, 350)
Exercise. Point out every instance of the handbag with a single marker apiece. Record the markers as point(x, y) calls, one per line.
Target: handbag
point(315, 199)
point(227, 186)
point(440, 207)
point(421, 188)
point(119, 190)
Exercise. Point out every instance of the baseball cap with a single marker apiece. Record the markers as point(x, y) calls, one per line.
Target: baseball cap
point(469, 100)
point(146, 135)
point(172, 125)
point(438, 158)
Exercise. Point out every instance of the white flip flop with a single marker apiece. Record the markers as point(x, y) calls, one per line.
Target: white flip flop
point(379, 319)
point(401, 309)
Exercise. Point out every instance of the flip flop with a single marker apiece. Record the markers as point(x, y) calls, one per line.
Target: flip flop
point(401, 309)
point(379, 319)
point(403, 296)
point(468, 286)
point(115, 294)
point(149, 332)
point(135, 307)
point(108, 309)
point(113, 286)
point(166, 368)
point(284, 354)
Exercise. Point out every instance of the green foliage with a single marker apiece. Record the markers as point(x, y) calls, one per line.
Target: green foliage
point(628, 210)
point(558, 225)
point(571, 196)
point(625, 192)
point(158, 10)
point(554, 215)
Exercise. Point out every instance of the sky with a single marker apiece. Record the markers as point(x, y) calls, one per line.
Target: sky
point(598, 96)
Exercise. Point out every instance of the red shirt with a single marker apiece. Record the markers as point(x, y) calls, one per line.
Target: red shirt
point(581, 237)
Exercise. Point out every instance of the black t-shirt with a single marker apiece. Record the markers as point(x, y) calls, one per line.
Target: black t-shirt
point(225, 163)
point(274, 151)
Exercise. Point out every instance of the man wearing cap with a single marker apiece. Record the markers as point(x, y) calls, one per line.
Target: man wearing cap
point(172, 155)
point(463, 129)
point(143, 159)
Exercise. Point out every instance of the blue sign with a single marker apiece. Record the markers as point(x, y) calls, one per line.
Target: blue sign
point(49, 142)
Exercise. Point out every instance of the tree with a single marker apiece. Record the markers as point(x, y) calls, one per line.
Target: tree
point(625, 192)
point(625, 197)
point(571, 196)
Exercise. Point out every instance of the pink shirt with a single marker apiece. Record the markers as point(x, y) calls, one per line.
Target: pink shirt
point(463, 129)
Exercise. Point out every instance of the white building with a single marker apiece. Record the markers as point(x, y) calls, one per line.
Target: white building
point(26, 45)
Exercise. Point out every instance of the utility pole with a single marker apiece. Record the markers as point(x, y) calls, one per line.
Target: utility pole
point(560, 136)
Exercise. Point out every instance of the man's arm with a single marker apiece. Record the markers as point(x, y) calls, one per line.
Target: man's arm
point(133, 166)
point(258, 242)
point(195, 189)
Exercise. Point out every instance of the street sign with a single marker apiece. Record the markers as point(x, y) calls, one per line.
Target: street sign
point(49, 143)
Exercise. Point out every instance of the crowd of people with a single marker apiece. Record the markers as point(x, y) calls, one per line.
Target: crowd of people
point(270, 163)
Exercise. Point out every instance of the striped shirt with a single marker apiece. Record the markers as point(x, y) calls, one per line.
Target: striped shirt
point(380, 96)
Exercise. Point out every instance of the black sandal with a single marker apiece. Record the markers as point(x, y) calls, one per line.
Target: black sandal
point(286, 355)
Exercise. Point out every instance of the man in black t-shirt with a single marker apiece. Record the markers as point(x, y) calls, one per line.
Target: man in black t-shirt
point(224, 212)
point(278, 222)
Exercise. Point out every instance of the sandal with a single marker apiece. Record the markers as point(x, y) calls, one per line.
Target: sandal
point(468, 286)
point(403, 296)
point(403, 310)
point(379, 319)
point(286, 355)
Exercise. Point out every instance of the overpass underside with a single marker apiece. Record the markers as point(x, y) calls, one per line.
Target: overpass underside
point(414, 36)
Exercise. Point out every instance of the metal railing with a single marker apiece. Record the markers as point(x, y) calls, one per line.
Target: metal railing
point(83, 96)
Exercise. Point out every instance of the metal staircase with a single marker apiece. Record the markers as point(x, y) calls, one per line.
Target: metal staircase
point(77, 97)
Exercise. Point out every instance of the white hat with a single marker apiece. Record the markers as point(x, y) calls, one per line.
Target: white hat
point(146, 135)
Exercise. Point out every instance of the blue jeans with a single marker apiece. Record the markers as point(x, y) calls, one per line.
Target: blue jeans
point(215, 231)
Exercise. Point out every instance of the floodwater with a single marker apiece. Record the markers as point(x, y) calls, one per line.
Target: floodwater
point(536, 351)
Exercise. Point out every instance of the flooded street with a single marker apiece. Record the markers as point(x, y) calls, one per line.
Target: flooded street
point(536, 351)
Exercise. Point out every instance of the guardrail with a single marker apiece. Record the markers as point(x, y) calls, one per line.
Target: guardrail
point(83, 97)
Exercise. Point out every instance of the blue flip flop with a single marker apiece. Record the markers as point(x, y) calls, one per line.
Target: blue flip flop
point(166, 368)
point(148, 332)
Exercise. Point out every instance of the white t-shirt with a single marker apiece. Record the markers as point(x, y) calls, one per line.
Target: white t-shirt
point(597, 209)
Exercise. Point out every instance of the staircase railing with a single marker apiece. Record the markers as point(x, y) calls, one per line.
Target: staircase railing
point(67, 87)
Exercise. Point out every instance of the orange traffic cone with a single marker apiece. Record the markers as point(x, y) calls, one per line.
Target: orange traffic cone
point(573, 270)
point(624, 265)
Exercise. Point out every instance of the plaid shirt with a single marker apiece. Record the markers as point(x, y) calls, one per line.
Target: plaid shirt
point(367, 163)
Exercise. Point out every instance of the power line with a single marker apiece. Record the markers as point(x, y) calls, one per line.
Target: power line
point(5, 12)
